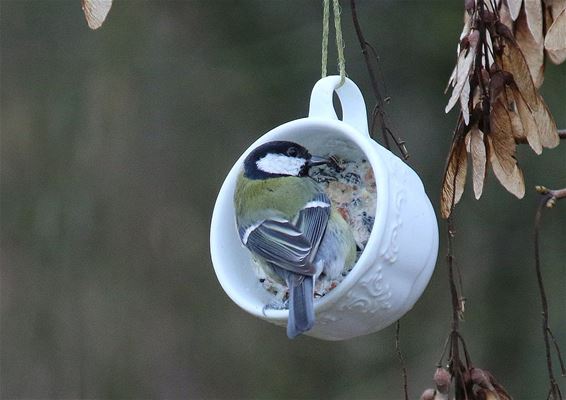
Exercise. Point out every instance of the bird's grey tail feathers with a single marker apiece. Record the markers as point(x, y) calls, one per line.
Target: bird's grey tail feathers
point(301, 304)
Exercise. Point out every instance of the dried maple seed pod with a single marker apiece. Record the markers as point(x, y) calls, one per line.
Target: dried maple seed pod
point(474, 38)
point(96, 11)
point(442, 379)
point(481, 378)
point(496, 85)
point(485, 76)
point(428, 394)
point(493, 68)
point(483, 394)
point(554, 42)
point(495, 81)
point(489, 17)
point(464, 42)
point(514, 8)
point(502, 30)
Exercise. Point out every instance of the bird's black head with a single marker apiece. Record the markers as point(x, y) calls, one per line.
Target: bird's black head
point(279, 158)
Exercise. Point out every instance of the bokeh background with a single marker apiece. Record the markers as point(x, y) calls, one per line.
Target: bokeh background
point(114, 144)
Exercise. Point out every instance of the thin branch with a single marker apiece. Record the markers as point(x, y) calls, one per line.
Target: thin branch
point(378, 115)
point(548, 200)
point(441, 361)
point(455, 364)
point(401, 360)
point(364, 46)
point(453, 290)
point(559, 353)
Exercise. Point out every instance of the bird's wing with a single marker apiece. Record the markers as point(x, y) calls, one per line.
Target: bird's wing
point(282, 244)
point(313, 219)
point(287, 245)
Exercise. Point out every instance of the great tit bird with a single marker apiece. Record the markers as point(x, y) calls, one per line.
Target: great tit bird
point(290, 226)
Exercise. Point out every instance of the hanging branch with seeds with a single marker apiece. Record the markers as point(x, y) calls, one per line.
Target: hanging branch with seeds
point(499, 69)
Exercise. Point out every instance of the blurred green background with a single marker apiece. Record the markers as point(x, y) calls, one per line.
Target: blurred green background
point(114, 144)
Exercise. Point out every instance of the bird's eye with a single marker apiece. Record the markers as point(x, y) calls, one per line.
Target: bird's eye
point(292, 151)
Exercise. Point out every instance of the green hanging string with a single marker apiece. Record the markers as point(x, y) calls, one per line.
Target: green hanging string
point(325, 28)
point(339, 40)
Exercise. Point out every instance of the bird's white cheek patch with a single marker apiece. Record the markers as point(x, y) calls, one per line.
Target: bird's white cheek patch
point(280, 164)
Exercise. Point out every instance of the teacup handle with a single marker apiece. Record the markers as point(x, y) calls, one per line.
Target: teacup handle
point(351, 100)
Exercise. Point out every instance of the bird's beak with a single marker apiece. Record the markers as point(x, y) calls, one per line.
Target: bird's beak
point(316, 160)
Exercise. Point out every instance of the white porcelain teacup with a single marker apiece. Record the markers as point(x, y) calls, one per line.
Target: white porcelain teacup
point(398, 260)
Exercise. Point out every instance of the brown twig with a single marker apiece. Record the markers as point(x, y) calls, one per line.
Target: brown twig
point(401, 360)
point(548, 200)
point(453, 291)
point(378, 114)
